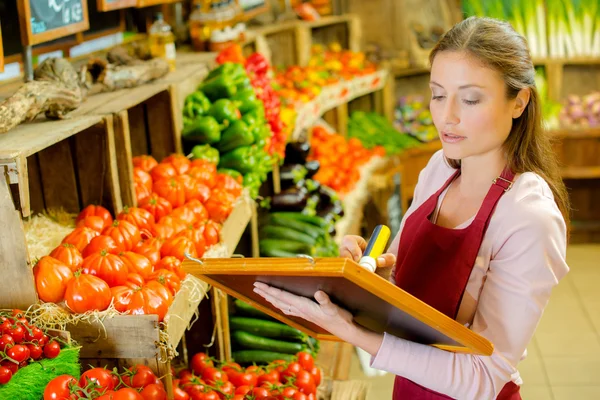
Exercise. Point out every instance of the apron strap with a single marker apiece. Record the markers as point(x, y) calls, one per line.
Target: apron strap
point(501, 184)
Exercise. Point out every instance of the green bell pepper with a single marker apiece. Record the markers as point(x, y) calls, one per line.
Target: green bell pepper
point(247, 99)
point(196, 104)
point(253, 182)
point(231, 172)
point(233, 70)
point(205, 152)
point(224, 110)
point(243, 84)
point(241, 159)
point(257, 115)
point(203, 130)
point(236, 135)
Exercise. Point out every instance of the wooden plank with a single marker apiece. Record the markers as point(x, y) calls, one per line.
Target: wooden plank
point(122, 336)
point(124, 158)
point(14, 262)
point(23, 186)
point(182, 311)
point(90, 164)
point(109, 5)
point(591, 172)
point(224, 310)
point(160, 125)
point(128, 98)
point(175, 114)
point(26, 139)
point(36, 194)
point(137, 130)
point(388, 95)
point(112, 184)
point(344, 359)
point(217, 296)
point(236, 224)
point(303, 44)
point(341, 113)
point(1, 52)
point(355, 34)
point(59, 180)
point(254, 231)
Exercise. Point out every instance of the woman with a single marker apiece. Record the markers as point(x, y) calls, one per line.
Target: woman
point(484, 240)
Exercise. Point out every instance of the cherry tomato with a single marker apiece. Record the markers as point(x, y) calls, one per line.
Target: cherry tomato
point(5, 327)
point(35, 351)
point(44, 340)
point(239, 397)
point(6, 341)
point(108, 395)
point(10, 365)
point(34, 334)
point(311, 396)
point(243, 390)
point(154, 392)
point(316, 373)
point(271, 377)
point(59, 388)
point(226, 390)
point(18, 353)
point(242, 379)
point(180, 394)
point(17, 332)
point(211, 396)
point(52, 349)
point(139, 376)
point(299, 396)
point(305, 382)
point(260, 393)
point(291, 371)
point(305, 360)
point(199, 362)
point(126, 394)
point(281, 365)
point(288, 392)
point(212, 375)
point(5, 375)
point(102, 379)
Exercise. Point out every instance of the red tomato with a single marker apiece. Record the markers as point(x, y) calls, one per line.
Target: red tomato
point(196, 235)
point(212, 375)
point(311, 396)
point(239, 397)
point(97, 211)
point(5, 375)
point(6, 341)
point(200, 362)
point(108, 267)
point(198, 209)
point(100, 243)
point(35, 351)
point(68, 255)
point(291, 371)
point(178, 247)
point(305, 360)
point(52, 349)
point(102, 379)
point(10, 365)
point(137, 263)
point(202, 175)
point(211, 395)
point(171, 264)
point(243, 390)
point(87, 292)
point(51, 280)
point(34, 334)
point(80, 237)
point(316, 374)
point(156, 206)
point(125, 234)
point(281, 365)
point(138, 376)
point(243, 379)
point(108, 395)
point(288, 392)
point(260, 393)
point(154, 391)
point(271, 377)
point(18, 353)
point(92, 222)
point(305, 382)
point(180, 394)
point(152, 298)
point(134, 280)
point(299, 396)
point(127, 394)
point(142, 177)
point(172, 190)
point(180, 162)
point(144, 162)
point(226, 390)
point(168, 279)
point(163, 171)
point(59, 388)
point(139, 217)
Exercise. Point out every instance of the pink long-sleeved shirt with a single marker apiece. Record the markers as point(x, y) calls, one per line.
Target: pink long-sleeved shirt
point(521, 259)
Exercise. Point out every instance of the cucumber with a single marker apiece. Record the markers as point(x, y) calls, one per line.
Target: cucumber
point(313, 220)
point(267, 329)
point(247, 310)
point(273, 252)
point(260, 356)
point(279, 232)
point(286, 246)
point(252, 342)
point(300, 226)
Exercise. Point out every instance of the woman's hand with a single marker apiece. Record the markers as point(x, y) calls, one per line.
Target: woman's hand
point(353, 248)
point(323, 313)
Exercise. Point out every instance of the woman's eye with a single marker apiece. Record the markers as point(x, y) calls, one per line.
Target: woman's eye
point(437, 97)
point(471, 102)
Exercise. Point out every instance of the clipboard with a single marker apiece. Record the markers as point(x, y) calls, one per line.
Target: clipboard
point(376, 303)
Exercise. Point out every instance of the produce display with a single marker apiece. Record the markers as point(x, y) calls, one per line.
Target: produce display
point(550, 109)
point(135, 383)
point(413, 117)
point(30, 357)
point(225, 114)
point(258, 338)
point(374, 130)
point(581, 111)
point(340, 159)
point(293, 377)
point(133, 261)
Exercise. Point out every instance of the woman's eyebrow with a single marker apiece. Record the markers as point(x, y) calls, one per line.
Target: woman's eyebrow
point(460, 87)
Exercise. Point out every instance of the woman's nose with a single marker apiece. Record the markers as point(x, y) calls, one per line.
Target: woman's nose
point(451, 112)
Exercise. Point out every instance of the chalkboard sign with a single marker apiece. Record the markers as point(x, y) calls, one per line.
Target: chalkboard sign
point(109, 5)
point(45, 20)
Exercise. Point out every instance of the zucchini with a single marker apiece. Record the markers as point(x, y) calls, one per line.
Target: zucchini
point(316, 221)
point(260, 356)
point(252, 342)
point(300, 226)
point(268, 245)
point(247, 310)
point(279, 232)
point(267, 329)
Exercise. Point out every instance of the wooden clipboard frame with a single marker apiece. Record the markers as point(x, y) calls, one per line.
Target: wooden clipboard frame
point(392, 309)
point(1, 52)
point(29, 38)
point(106, 5)
point(148, 3)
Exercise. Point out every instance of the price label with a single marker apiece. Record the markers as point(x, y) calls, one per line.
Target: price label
point(45, 20)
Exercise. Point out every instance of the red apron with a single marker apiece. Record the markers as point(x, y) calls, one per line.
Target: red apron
point(434, 264)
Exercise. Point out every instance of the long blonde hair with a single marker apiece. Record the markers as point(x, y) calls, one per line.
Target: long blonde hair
point(528, 147)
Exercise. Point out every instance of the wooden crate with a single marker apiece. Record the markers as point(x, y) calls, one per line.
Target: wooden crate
point(65, 164)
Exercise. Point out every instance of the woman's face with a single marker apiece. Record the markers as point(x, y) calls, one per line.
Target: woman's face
point(469, 106)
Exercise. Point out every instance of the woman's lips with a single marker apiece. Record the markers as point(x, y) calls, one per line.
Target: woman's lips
point(448, 137)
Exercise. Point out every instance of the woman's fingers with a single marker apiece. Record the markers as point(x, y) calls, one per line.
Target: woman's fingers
point(352, 247)
point(386, 260)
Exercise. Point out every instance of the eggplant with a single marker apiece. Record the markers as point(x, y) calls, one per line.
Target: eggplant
point(312, 168)
point(293, 199)
point(327, 196)
point(313, 186)
point(296, 152)
point(290, 174)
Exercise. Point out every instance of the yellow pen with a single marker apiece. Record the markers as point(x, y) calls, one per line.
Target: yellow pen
point(375, 247)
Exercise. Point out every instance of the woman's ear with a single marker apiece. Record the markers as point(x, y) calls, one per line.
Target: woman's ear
point(521, 102)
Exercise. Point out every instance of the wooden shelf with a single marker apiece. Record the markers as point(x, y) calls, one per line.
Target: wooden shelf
point(576, 133)
point(408, 72)
point(592, 172)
